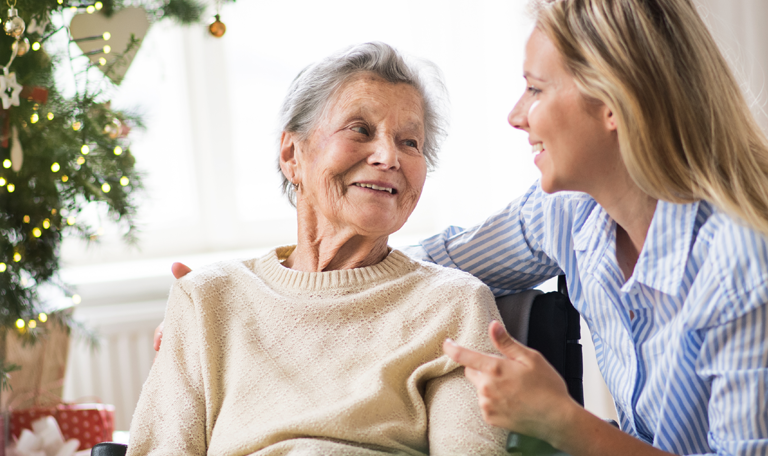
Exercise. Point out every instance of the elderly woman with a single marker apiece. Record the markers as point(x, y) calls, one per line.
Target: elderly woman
point(331, 346)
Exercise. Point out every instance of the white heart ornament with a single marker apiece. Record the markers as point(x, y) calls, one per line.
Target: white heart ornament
point(90, 30)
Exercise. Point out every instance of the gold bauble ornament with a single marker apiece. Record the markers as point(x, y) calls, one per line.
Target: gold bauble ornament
point(20, 46)
point(14, 26)
point(114, 128)
point(217, 28)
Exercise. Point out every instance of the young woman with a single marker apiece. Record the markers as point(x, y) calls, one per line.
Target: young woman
point(665, 244)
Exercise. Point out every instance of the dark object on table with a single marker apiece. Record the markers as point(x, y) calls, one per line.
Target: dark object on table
point(109, 449)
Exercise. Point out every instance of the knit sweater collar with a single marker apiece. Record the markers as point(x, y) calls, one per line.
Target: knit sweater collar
point(278, 276)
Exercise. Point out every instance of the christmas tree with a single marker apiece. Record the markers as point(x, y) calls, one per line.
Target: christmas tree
point(60, 153)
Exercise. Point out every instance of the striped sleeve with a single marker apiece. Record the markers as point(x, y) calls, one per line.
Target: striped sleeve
point(513, 250)
point(735, 356)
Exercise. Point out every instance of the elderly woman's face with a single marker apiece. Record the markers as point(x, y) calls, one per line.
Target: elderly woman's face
point(363, 169)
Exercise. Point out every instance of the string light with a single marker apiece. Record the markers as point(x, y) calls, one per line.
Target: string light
point(64, 178)
point(80, 160)
point(107, 49)
point(85, 150)
point(55, 167)
point(106, 36)
point(36, 232)
point(77, 299)
point(46, 224)
point(35, 46)
point(20, 323)
point(105, 187)
point(6, 163)
point(73, 9)
point(124, 181)
point(32, 324)
point(11, 188)
point(17, 257)
point(70, 221)
point(60, 2)
point(91, 9)
point(26, 219)
point(50, 116)
point(76, 126)
point(34, 118)
point(98, 5)
point(102, 61)
point(3, 267)
point(43, 317)
point(53, 211)
point(118, 151)
point(3, 181)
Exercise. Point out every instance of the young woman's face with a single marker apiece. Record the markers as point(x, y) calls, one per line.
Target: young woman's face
point(573, 140)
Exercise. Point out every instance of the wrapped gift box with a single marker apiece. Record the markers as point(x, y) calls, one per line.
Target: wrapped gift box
point(22, 419)
point(88, 423)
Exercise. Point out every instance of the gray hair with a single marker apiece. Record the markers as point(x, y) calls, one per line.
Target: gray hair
point(317, 84)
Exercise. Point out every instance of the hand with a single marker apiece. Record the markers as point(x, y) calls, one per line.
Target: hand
point(519, 391)
point(179, 270)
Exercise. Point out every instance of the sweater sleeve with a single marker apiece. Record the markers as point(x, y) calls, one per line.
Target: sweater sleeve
point(170, 415)
point(456, 425)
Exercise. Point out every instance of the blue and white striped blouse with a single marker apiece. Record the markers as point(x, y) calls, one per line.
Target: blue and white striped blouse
point(689, 373)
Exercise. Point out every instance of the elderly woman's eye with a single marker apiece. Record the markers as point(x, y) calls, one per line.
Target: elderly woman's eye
point(411, 143)
point(360, 129)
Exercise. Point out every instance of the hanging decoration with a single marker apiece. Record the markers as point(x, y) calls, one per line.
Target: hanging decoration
point(9, 89)
point(217, 28)
point(110, 42)
point(14, 26)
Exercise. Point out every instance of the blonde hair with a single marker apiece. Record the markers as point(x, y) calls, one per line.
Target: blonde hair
point(685, 130)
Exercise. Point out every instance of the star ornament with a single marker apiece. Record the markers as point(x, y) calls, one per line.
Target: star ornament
point(8, 83)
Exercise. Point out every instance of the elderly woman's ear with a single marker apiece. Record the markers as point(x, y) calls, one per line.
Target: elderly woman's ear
point(288, 162)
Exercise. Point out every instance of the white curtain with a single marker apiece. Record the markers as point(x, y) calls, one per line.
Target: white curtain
point(739, 26)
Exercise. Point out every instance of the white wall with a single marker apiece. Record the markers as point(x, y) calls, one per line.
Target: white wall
point(211, 106)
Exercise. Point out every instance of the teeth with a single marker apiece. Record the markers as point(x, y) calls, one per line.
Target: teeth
point(375, 187)
point(537, 148)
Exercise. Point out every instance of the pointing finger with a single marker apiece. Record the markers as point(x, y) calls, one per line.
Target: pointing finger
point(471, 358)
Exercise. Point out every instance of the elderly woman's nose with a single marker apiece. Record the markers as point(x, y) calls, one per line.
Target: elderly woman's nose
point(518, 117)
point(385, 155)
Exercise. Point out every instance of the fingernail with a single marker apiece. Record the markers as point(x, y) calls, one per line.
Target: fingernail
point(498, 330)
point(450, 341)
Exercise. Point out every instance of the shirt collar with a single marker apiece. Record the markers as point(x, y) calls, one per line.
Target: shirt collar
point(663, 260)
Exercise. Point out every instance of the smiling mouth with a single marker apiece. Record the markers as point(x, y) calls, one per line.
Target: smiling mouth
point(538, 148)
point(391, 191)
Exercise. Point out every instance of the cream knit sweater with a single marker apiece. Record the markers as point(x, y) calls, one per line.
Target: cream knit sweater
point(261, 359)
